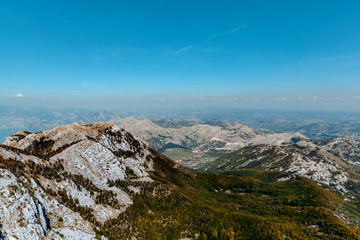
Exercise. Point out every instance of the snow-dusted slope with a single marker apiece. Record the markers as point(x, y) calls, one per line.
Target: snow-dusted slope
point(63, 183)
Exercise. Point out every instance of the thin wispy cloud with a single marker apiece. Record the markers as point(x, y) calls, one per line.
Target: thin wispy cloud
point(357, 97)
point(65, 20)
point(301, 98)
point(113, 54)
point(183, 50)
point(281, 99)
point(251, 99)
point(345, 60)
point(234, 99)
point(225, 33)
point(154, 67)
point(118, 51)
point(93, 85)
point(228, 32)
point(97, 58)
point(169, 100)
point(187, 48)
point(316, 98)
point(19, 95)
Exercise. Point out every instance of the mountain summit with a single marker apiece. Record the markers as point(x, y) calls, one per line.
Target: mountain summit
point(76, 162)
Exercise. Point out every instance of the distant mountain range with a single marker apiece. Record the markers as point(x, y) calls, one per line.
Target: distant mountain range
point(97, 181)
point(205, 142)
point(196, 137)
point(313, 124)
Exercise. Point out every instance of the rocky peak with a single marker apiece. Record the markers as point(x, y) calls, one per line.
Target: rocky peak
point(316, 160)
point(64, 181)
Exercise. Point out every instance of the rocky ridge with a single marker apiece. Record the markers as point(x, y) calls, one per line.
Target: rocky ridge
point(60, 183)
point(205, 142)
point(195, 138)
point(334, 162)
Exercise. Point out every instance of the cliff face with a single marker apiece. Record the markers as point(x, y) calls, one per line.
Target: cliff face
point(63, 181)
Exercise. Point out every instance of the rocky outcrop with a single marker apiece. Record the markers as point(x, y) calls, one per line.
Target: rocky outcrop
point(327, 163)
point(65, 182)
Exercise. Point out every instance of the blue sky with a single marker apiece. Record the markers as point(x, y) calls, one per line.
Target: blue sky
point(246, 54)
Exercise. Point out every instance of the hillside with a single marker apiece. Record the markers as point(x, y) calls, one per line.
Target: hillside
point(333, 163)
point(196, 144)
point(97, 181)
